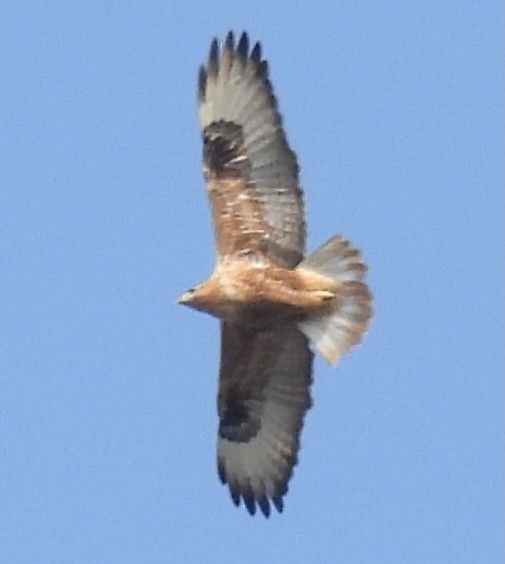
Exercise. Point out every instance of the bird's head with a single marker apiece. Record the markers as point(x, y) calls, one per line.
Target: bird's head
point(194, 297)
point(205, 297)
point(188, 297)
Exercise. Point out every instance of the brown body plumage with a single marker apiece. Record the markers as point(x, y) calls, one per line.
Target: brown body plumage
point(270, 299)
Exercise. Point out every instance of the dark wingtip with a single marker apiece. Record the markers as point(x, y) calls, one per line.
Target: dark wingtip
point(256, 52)
point(239, 50)
point(202, 82)
point(279, 503)
point(213, 63)
point(264, 505)
point(235, 498)
point(243, 46)
point(221, 471)
point(263, 69)
point(229, 43)
point(249, 501)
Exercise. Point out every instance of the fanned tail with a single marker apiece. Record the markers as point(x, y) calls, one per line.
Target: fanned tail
point(333, 334)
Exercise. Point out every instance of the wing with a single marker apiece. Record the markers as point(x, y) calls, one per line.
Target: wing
point(264, 393)
point(251, 173)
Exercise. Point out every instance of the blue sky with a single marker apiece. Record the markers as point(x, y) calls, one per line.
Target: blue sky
point(107, 403)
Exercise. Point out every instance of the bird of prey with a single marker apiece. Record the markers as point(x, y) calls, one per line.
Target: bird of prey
point(275, 305)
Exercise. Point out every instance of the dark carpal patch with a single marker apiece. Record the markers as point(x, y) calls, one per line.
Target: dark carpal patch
point(223, 149)
point(238, 420)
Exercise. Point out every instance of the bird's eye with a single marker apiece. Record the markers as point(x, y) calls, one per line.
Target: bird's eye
point(191, 291)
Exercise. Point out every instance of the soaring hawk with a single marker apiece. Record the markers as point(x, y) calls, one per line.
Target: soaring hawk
point(274, 304)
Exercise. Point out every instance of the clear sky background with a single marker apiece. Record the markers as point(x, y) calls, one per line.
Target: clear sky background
point(107, 392)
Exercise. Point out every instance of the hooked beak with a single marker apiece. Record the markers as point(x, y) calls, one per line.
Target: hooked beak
point(183, 299)
point(186, 298)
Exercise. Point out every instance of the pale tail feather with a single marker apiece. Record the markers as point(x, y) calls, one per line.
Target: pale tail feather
point(332, 335)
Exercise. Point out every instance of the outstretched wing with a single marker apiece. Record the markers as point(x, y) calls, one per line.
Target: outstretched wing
point(264, 393)
point(251, 173)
